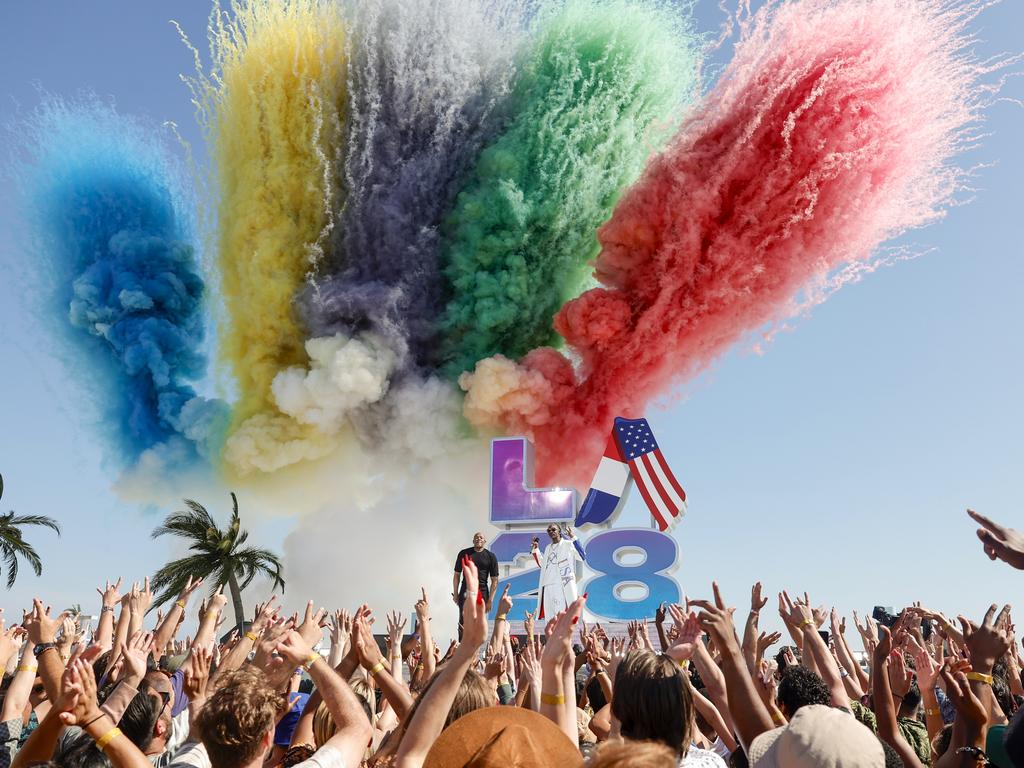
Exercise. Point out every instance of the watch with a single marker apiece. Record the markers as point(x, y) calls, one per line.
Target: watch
point(42, 648)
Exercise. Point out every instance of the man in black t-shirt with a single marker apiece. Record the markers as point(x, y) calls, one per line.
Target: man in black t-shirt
point(486, 565)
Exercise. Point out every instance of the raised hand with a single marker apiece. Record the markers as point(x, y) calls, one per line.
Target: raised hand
point(140, 599)
point(616, 653)
point(688, 635)
point(765, 641)
point(396, 627)
point(757, 602)
point(901, 677)
point(217, 600)
point(186, 592)
point(265, 613)
point(988, 642)
point(77, 698)
point(530, 625)
point(422, 606)
point(312, 625)
point(293, 650)
point(505, 602)
point(494, 664)
point(40, 626)
point(136, 655)
point(474, 614)
point(197, 674)
point(111, 593)
point(716, 619)
point(998, 542)
point(366, 647)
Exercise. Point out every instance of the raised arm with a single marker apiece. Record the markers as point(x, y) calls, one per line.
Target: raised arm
point(110, 596)
point(885, 708)
point(856, 678)
point(750, 633)
point(557, 698)
point(749, 716)
point(809, 619)
point(234, 658)
point(42, 633)
point(167, 628)
point(374, 663)
point(353, 730)
point(428, 721)
point(426, 637)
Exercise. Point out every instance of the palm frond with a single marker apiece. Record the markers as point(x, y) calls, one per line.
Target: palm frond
point(43, 520)
point(169, 581)
point(11, 562)
point(255, 561)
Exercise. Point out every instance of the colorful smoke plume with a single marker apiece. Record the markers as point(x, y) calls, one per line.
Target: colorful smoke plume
point(598, 91)
point(831, 130)
point(110, 226)
point(272, 107)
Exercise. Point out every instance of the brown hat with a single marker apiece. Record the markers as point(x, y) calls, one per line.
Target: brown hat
point(503, 737)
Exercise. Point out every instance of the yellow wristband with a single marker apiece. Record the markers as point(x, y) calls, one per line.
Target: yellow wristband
point(979, 677)
point(778, 719)
point(807, 623)
point(311, 661)
point(252, 637)
point(933, 712)
point(684, 664)
point(107, 737)
point(376, 668)
point(552, 698)
point(500, 617)
point(28, 669)
point(180, 604)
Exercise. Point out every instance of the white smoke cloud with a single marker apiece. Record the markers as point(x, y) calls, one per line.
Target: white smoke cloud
point(344, 374)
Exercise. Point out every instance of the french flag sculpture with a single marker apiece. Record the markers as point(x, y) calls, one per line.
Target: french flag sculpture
point(632, 455)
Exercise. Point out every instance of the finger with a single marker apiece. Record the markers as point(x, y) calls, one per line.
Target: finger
point(423, 592)
point(117, 584)
point(986, 523)
point(987, 621)
point(718, 595)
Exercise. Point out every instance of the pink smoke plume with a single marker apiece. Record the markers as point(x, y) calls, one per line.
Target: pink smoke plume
point(830, 131)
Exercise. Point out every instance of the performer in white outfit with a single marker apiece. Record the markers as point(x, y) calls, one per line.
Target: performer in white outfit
point(557, 571)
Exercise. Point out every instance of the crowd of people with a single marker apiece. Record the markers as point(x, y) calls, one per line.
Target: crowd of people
point(688, 688)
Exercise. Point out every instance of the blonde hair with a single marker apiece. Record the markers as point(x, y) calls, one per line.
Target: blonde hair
point(632, 754)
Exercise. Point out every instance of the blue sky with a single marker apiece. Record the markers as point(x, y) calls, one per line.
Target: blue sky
point(840, 459)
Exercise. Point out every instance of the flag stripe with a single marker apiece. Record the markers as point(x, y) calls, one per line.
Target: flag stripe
point(668, 481)
point(670, 505)
point(641, 483)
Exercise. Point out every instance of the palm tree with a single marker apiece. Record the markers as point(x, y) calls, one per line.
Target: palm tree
point(219, 556)
point(13, 544)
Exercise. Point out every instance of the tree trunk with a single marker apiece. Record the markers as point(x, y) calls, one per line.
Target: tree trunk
point(236, 599)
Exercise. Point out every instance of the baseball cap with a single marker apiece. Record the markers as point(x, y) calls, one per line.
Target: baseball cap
point(818, 736)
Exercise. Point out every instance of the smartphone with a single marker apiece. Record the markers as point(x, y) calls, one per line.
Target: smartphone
point(824, 635)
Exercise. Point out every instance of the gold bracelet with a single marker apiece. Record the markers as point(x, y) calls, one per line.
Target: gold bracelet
point(376, 668)
point(107, 737)
point(552, 698)
point(252, 637)
point(313, 658)
point(979, 677)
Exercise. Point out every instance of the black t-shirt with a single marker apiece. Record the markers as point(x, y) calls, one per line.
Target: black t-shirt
point(486, 565)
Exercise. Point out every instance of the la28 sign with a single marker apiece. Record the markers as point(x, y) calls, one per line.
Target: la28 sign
point(623, 561)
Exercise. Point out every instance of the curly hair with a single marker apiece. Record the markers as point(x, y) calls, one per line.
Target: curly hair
point(799, 687)
point(242, 710)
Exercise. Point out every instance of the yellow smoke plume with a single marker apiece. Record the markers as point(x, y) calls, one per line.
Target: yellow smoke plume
point(272, 106)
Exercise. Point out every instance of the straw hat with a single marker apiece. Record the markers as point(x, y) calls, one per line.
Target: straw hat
point(503, 737)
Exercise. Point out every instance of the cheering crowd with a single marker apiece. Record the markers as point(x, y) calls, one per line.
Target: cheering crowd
point(685, 689)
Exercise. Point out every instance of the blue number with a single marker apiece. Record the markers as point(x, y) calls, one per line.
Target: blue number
point(604, 555)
